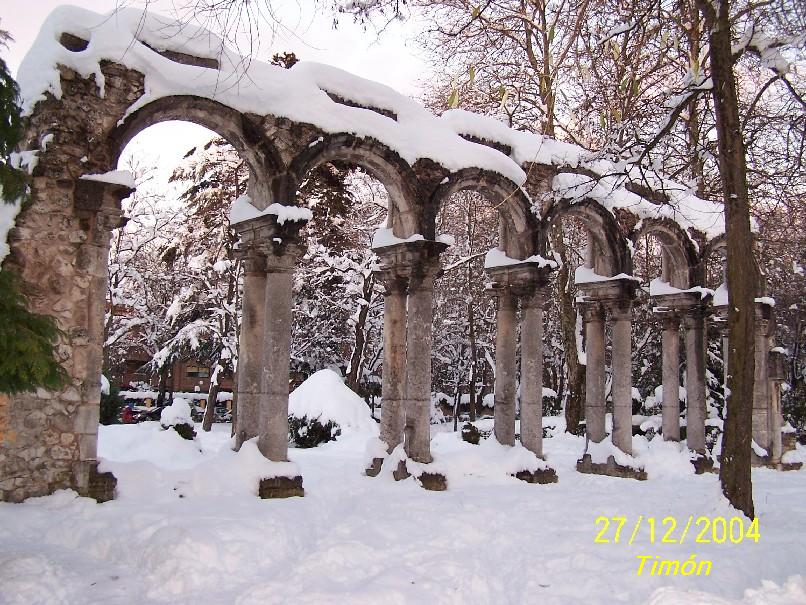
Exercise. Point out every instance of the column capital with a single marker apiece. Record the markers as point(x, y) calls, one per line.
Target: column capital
point(592, 311)
point(693, 317)
point(670, 321)
point(268, 246)
point(99, 203)
point(619, 309)
point(527, 280)
point(536, 297)
point(393, 282)
point(415, 263)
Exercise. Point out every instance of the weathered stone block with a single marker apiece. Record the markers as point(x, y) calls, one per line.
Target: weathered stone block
point(609, 468)
point(100, 486)
point(374, 467)
point(435, 482)
point(34, 421)
point(280, 487)
point(401, 472)
point(702, 465)
point(61, 453)
point(541, 476)
point(87, 419)
point(88, 446)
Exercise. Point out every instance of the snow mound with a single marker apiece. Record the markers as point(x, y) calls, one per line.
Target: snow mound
point(792, 592)
point(325, 397)
point(176, 413)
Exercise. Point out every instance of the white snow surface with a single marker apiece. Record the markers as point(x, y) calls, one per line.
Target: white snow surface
point(242, 210)
point(498, 258)
point(187, 527)
point(721, 295)
point(384, 236)
point(658, 287)
point(325, 397)
point(115, 177)
point(586, 275)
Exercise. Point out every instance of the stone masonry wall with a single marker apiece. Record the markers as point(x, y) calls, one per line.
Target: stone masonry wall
point(59, 247)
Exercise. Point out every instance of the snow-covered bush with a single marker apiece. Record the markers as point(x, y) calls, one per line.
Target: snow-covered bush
point(306, 432)
point(177, 415)
point(471, 434)
point(322, 407)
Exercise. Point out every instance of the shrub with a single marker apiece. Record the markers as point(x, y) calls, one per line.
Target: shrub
point(306, 432)
point(111, 405)
point(471, 433)
point(177, 415)
point(186, 431)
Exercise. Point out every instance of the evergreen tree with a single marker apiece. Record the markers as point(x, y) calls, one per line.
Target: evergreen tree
point(12, 181)
point(26, 339)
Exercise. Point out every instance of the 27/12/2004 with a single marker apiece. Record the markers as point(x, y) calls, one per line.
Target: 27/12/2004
point(668, 530)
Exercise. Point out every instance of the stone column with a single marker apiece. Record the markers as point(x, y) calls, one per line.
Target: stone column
point(777, 372)
point(621, 315)
point(505, 345)
point(273, 437)
point(418, 365)
point(761, 399)
point(694, 326)
point(670, 344)
point(250, 347)
point(594, 371)
point(411, 265)
point(271, 250)
point(99, 204)
point(532, 371)
point(393, 417)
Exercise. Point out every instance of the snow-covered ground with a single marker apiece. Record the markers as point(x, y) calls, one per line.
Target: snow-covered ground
point(187, 528)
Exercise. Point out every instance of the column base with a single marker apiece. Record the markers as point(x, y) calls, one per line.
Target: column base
point(433, 482)
point(757, 461)
point(280, 487)
point(401, 472)
point(541, 476)
point(90, 483)
point(374, 468)
point(702, 464)
point(610, 468)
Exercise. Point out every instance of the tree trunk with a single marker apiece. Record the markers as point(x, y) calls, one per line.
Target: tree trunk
point(163, 384)
point(734, 472)
point(474, 363)
point(357, 357)
point(457, 387)
point(212, 399)
point(575, 401)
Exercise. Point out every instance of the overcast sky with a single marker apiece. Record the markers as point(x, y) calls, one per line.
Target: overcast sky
point(391, 58)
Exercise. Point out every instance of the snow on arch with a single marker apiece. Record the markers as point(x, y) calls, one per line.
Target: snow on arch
point(179, 59)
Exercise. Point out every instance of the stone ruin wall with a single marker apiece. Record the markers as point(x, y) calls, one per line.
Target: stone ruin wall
point(59, 247)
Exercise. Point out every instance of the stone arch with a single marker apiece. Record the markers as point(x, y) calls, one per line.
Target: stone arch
point(242, 132)
point(380, 162)
point(682, 267)
point(518, 227)
point(720, 243)
point(612, 255)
